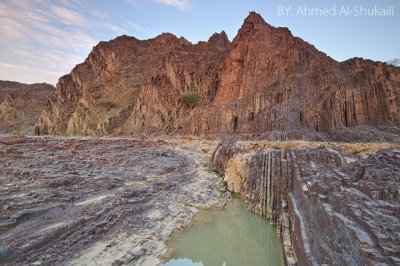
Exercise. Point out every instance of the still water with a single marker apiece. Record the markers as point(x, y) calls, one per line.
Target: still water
point(232, 236)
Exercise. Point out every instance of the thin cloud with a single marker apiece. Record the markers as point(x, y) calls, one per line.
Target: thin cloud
point(99, 14)
point(139, 29)
point(116, 29)
point(180, 4)
point(13, 72)
point(134, 3)
point(68, 17)
point(45, 40)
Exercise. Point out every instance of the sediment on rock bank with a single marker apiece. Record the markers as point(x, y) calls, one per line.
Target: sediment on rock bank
point(331, 203)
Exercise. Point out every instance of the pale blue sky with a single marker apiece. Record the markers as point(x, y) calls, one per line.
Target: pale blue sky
point(42, 40)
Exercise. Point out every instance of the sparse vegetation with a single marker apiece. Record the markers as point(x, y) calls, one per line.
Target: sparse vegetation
point(19, 133)
point(108, 103)
point(190, 98)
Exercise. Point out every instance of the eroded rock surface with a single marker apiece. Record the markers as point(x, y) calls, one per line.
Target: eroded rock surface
point(98, 201)
point(21, 104)
point(275, 82)
point(266, 83)
point(334, 204)
point(143, 79)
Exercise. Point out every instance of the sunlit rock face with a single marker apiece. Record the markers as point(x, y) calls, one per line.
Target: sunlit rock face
point(142, 82)
point(273, 81)
point(21, 104)
point(265, 81)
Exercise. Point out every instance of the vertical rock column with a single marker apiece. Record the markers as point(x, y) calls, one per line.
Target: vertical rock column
point(266, 188)
point(262, 179)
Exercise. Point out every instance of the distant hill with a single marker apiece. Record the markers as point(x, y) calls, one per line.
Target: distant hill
point(21, 104)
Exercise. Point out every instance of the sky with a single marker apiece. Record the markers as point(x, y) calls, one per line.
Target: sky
point(42, 40)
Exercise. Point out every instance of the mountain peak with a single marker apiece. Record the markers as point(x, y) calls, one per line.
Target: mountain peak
point(255, 19)
point(219, 39)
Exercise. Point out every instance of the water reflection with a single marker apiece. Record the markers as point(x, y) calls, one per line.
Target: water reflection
point(229, 237)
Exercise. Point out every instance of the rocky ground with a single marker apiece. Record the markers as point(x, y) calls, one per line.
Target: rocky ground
point(92, 201)
point(99, 201)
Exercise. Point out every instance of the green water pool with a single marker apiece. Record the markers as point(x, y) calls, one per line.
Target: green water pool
point(232, 236)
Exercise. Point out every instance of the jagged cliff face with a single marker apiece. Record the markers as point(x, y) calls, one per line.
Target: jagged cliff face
point(144, 80)
point(21, 104)
point(265, 81)
point(273, 81)
point(262, 55)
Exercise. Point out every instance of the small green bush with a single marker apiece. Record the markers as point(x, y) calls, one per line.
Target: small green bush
point(108, 103)
point(19, 133)
point(190, 98)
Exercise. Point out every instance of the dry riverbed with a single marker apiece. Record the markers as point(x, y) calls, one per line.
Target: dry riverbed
point(78, 201)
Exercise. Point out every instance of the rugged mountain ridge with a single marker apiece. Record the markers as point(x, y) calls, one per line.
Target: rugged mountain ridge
point(21, 104)
point(265, 81)
point(143, 78)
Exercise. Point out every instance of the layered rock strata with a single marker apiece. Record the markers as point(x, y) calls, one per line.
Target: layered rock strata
point(142, 82)
point(99, 201)
point(331, 207)
point(265, 81)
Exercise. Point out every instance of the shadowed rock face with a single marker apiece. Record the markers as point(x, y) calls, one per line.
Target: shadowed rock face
point(21, 104)
point(265, 81)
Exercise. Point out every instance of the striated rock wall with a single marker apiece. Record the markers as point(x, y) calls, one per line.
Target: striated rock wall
point(21, 104)
point(273, 81)
point(331, 207)
point(144, 80)
point(265, 81)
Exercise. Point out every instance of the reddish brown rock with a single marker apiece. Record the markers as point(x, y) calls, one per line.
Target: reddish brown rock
point(21, 104)
point(262, 55)
point(266, 82)
point(143, 78)
point(273, 81)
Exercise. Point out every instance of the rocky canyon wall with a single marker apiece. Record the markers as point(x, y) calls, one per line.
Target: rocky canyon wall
point(265, 81)
point(127, 86)
point(346, 95)
point(331, 206)
point(21, 104)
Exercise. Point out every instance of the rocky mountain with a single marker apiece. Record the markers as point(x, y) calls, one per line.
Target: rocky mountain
point(265, 83)
point(21, 104)
point(140, 83)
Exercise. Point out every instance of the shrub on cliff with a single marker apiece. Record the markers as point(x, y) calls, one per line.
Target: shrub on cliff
point(108, 103)
point(190, 98)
